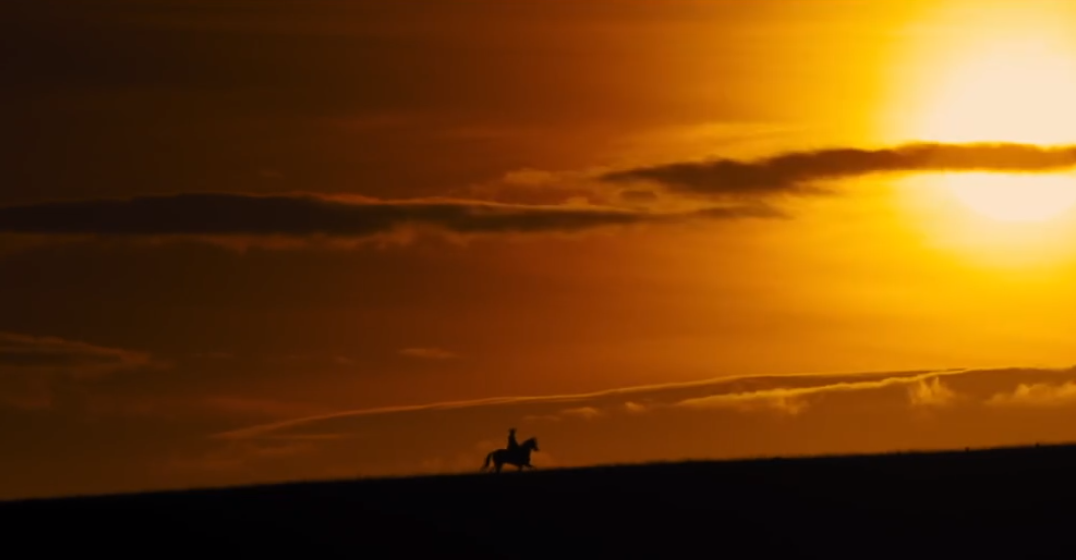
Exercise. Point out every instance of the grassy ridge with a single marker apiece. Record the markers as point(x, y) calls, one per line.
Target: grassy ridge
point(1015, 501)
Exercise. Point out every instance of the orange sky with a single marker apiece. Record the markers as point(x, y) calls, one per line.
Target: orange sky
point(236, 238)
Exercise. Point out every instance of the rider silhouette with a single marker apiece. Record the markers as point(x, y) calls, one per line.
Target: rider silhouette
point(512, 444)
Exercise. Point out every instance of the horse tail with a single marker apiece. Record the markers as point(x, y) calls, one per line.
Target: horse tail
point(488, 459)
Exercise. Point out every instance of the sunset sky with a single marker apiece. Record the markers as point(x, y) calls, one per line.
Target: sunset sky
point(261, 240)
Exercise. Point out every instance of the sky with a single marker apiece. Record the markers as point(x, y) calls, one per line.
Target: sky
point(254, 241)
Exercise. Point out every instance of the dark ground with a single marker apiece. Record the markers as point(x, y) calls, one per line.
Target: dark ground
point(1006, 503)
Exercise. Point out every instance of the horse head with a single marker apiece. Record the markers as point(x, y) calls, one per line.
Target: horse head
point(531, 444)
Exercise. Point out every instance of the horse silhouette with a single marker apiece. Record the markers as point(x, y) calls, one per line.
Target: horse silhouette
point(520, 457)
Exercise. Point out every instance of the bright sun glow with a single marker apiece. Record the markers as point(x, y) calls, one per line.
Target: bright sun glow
point(1014, 198)
point(1015, 91)
point(1009, 77)
point(1019, 91)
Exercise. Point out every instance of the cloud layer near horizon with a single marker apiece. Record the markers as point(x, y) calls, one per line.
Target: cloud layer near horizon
point(750, 416)
point(799, 172)
point(791, 394)
point(719, 418)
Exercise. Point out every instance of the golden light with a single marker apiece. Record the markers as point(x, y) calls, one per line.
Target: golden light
point(1017, 237)
point(1018, 90)
point(988, 72)
point(1014, 198)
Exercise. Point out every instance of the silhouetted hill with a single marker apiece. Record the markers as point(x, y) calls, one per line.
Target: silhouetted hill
point(1013, 502)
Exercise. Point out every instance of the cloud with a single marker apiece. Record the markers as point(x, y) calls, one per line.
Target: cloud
point(257, 431)
point(799, 172)
point(932, 393)
point(795, 400)
point(33, 369)
point(580, 413)
point(638, 196)
point(746, 416)
point(530, 177)
point(788, 401)
point(50, 355)
point(428, 353)
point(1037, 395)
point(716, 393)
point(584, 412)
point(306, 215)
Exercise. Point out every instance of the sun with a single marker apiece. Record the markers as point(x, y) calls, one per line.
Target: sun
point(1014, 91)
point(1013, 198)
point(1011, 80)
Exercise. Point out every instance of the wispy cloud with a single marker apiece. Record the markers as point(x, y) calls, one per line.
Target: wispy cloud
point(33, 367)
point(51, 355)
point(795, 400)
point(584, 412)
point(800, 172)
point(789, 401)
point(1037, 395)
point(717, 418)
point(307, 214)
point(715, 393)
point(931, 393)
point(428, 353)
point(736, 190)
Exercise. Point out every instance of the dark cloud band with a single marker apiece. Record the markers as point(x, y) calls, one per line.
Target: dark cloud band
point(303, 215)
point(797, 172)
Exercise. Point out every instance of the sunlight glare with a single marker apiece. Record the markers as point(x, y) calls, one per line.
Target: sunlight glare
point(991, 72)
point(1014, 198)
point(1012, 91)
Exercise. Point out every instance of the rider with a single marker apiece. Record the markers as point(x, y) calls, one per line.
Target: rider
point(512, 444)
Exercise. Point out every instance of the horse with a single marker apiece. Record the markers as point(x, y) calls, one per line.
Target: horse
point(520, 458)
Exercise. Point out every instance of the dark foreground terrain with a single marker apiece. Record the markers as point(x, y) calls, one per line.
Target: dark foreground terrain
point(1019, 503)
